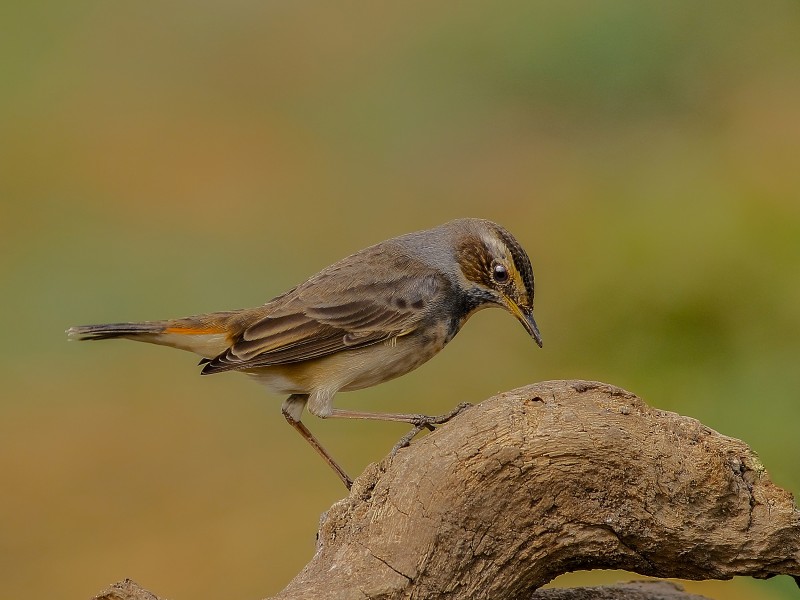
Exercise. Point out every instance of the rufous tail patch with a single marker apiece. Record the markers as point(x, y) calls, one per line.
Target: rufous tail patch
point(194, 330)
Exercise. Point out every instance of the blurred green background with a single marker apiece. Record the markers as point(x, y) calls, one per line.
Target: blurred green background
point(159, 159)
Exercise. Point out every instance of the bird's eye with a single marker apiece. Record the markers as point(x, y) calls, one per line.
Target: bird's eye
point(500, 273)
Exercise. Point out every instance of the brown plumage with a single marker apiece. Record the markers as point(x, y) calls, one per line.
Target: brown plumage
point(373, 316)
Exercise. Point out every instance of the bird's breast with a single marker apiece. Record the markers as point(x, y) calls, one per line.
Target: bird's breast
point(395, 357)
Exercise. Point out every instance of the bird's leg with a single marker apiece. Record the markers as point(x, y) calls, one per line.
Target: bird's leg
point(415, 419)
point(292, 409)
point(419, 422)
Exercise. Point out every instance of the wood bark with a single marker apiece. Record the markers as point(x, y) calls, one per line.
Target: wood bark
point(635, 590)
point(546, 479)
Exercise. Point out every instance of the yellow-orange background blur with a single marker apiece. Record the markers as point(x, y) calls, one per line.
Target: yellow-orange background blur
point(159, 159)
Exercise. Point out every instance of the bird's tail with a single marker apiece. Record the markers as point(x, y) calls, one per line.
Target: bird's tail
point(206, 335)
point(108, 331)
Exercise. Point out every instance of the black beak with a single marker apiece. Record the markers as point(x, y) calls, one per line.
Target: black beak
point(531, 327)
point(525, 316)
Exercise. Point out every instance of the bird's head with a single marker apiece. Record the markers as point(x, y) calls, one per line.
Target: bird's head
point(495, 270)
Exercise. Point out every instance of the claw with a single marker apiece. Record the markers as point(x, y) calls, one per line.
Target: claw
point(426, 422)
point(406, 440)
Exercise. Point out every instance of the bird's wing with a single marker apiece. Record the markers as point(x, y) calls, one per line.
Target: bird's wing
point(330, 313)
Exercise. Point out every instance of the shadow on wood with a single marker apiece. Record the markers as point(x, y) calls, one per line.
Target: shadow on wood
point(547, 479)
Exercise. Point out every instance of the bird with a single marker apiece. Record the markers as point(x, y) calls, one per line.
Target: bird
point(368, 318)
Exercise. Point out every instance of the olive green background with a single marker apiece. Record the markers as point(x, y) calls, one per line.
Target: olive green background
point(159, 159)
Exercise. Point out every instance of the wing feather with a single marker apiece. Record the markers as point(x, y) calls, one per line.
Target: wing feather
point(331, 312)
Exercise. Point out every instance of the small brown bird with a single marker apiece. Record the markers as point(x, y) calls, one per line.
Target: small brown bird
point(371, 317)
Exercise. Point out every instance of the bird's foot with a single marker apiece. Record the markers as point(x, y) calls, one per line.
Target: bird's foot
point(425, 421)
point(406, 439)
point(428, 422)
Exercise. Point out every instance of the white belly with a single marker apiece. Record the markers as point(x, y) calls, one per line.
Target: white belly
point(322, 378)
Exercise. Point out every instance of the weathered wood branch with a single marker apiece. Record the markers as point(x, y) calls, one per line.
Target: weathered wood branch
point(547, 479)
point(635, 590)
point(543, 480)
